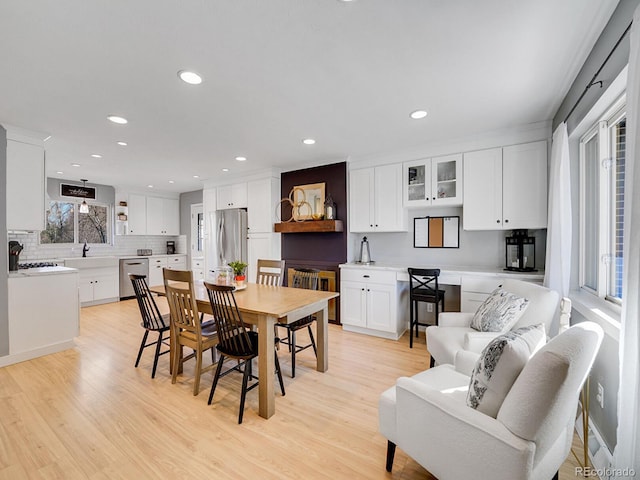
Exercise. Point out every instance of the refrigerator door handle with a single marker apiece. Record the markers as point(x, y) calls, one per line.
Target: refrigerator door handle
point(219, 234)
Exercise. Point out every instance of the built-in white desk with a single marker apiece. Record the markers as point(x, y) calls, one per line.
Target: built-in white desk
point(374, 298)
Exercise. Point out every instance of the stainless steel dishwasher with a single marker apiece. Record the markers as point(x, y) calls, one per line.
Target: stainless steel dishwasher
point(137, 266)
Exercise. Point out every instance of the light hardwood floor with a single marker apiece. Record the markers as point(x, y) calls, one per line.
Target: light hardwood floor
point(88, 413)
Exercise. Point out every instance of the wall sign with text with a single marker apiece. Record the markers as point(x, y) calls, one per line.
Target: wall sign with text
point(77, 191)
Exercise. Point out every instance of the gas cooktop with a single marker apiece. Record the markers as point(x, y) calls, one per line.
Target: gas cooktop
point(22, 266)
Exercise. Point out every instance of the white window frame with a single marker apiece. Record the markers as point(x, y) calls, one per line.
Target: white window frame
point(606, 214)
point(76, 240)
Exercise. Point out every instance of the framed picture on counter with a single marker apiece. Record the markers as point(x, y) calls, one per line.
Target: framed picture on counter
point(436, 232)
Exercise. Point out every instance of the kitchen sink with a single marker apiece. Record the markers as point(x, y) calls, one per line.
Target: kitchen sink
point(91, 262)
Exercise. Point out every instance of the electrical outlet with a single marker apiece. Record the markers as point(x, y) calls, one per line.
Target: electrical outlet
point(600, 395)
point(429, 307)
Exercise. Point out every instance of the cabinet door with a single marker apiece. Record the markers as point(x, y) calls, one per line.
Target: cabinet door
point(483, 190)
point(524, 181)
point(446, 180)
point(224, 197)
point(137, 214)
point(361, 184)
point(25, 186)
point(261, 246)
point(388, 209)
point(260, 206)
point(86, 287)
point(155, 216)
point(171, 216)
point(239, 195)
point(353, 304)
point(105, 285)
point(381, 307)
point(177, 262)
point(416, 180)
point(155, 270)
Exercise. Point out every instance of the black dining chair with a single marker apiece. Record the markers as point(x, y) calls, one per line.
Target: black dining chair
point(302, 278)
point(423, 287)
point(234, 341)
point(152, 320)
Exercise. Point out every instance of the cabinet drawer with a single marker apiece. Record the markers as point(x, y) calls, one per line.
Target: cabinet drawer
point(157, 261)
point(175, 260)
point(480, 284)
point(369, 276)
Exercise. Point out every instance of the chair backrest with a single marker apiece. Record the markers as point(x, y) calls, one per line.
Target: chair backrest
point(151, 316)
point(305, 278)
point(543, 304)
point(270, 272)
point(425, 280)
point(542, 401)
point(181, 297)
point(232, 333)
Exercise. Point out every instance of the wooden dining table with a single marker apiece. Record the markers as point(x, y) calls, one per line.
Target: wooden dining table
point(264, 306)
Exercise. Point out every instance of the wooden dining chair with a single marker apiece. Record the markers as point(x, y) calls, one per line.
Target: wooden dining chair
point(423, 287)
point(152, 320)
point(270, 272)
point(187, 329)
point(234, 341)
point(302, 278)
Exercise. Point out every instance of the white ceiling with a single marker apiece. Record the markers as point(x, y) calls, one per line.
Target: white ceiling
point(275, 72)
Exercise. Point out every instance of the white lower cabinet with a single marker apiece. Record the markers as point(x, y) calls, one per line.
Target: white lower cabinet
point(475, 290)
point(157, 263)
point(99, 285)
point(197, 267)
point(261, 246)
point(372, 302)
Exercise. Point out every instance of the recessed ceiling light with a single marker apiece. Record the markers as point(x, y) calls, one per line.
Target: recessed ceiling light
point(95, 155)
point(418, 114)
point(75, 164)
point(196, 176)
point(117, 119)
point(241, 159)
point(122, 144)
point(308, 141)
point(191, 78)
point(150, 186)
point(171, 181)
point(225, 169)
point(60, 173)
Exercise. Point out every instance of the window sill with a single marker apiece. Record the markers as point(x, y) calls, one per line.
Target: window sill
point(599, 311)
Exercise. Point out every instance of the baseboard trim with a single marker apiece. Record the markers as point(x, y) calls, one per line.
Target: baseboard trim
point(35, 353)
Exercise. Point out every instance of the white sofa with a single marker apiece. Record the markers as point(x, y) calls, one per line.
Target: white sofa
point(428, 418)
point(454, 333)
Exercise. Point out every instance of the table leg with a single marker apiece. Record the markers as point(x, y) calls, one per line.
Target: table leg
point(322, 321)
point(266, 366)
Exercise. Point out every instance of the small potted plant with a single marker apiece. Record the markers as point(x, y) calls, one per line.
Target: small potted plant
point(239, 268)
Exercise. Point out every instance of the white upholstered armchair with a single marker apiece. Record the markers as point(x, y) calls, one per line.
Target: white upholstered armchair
point(428, 417)
point(454, 332)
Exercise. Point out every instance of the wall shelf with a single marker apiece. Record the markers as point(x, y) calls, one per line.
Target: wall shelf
point(310, 226)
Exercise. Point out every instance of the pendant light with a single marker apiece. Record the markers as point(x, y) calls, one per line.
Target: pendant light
point(84, 207)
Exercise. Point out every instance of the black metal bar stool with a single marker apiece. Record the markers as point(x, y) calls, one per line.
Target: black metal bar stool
point(423, 287)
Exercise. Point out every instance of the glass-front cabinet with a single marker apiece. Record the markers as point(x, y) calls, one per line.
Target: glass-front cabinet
point(433, 181)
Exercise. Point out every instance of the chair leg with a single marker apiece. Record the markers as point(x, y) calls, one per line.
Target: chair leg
point(279, 373)
point(289, 338)
point(313, 342)
point(196, 381)
point(556, 476)
point(432, 362)
point(292, 348)
point(411, 304)
point(144, 340)
point(216, 376)
point(157, 355)
point(245, 379)
point(177, 361)
point(391, 451)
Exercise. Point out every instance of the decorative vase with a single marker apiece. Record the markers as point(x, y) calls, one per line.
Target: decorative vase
point(240, 279)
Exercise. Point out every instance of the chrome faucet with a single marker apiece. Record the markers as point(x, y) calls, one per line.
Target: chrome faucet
point(85, 249)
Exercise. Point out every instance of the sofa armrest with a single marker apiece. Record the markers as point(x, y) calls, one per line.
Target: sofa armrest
point(476, 341)
point(455, 319)
point(465, 362)
point(453, 440)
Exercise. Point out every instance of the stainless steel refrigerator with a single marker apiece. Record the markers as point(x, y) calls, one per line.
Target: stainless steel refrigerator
point(226, 238)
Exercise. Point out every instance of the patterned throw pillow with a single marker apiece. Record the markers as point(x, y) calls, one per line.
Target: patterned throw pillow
point(500, 364)
point(499, 312)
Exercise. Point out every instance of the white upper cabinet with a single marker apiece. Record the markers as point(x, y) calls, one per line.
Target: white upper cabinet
point(375, 200)
point(163, 216)
point(433, 182)
point(506, 188)
point(232, 196)
point(262, 197)
point(137, 219)
point(25, 186)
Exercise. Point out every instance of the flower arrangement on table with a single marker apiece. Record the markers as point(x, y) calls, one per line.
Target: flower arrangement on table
point(239, 268)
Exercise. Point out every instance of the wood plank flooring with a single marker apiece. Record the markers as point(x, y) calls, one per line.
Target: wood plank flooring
point(87, 413)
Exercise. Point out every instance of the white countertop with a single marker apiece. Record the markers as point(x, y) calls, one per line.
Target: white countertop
point(126, 257)
point(450, 271)
point(34, 272)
